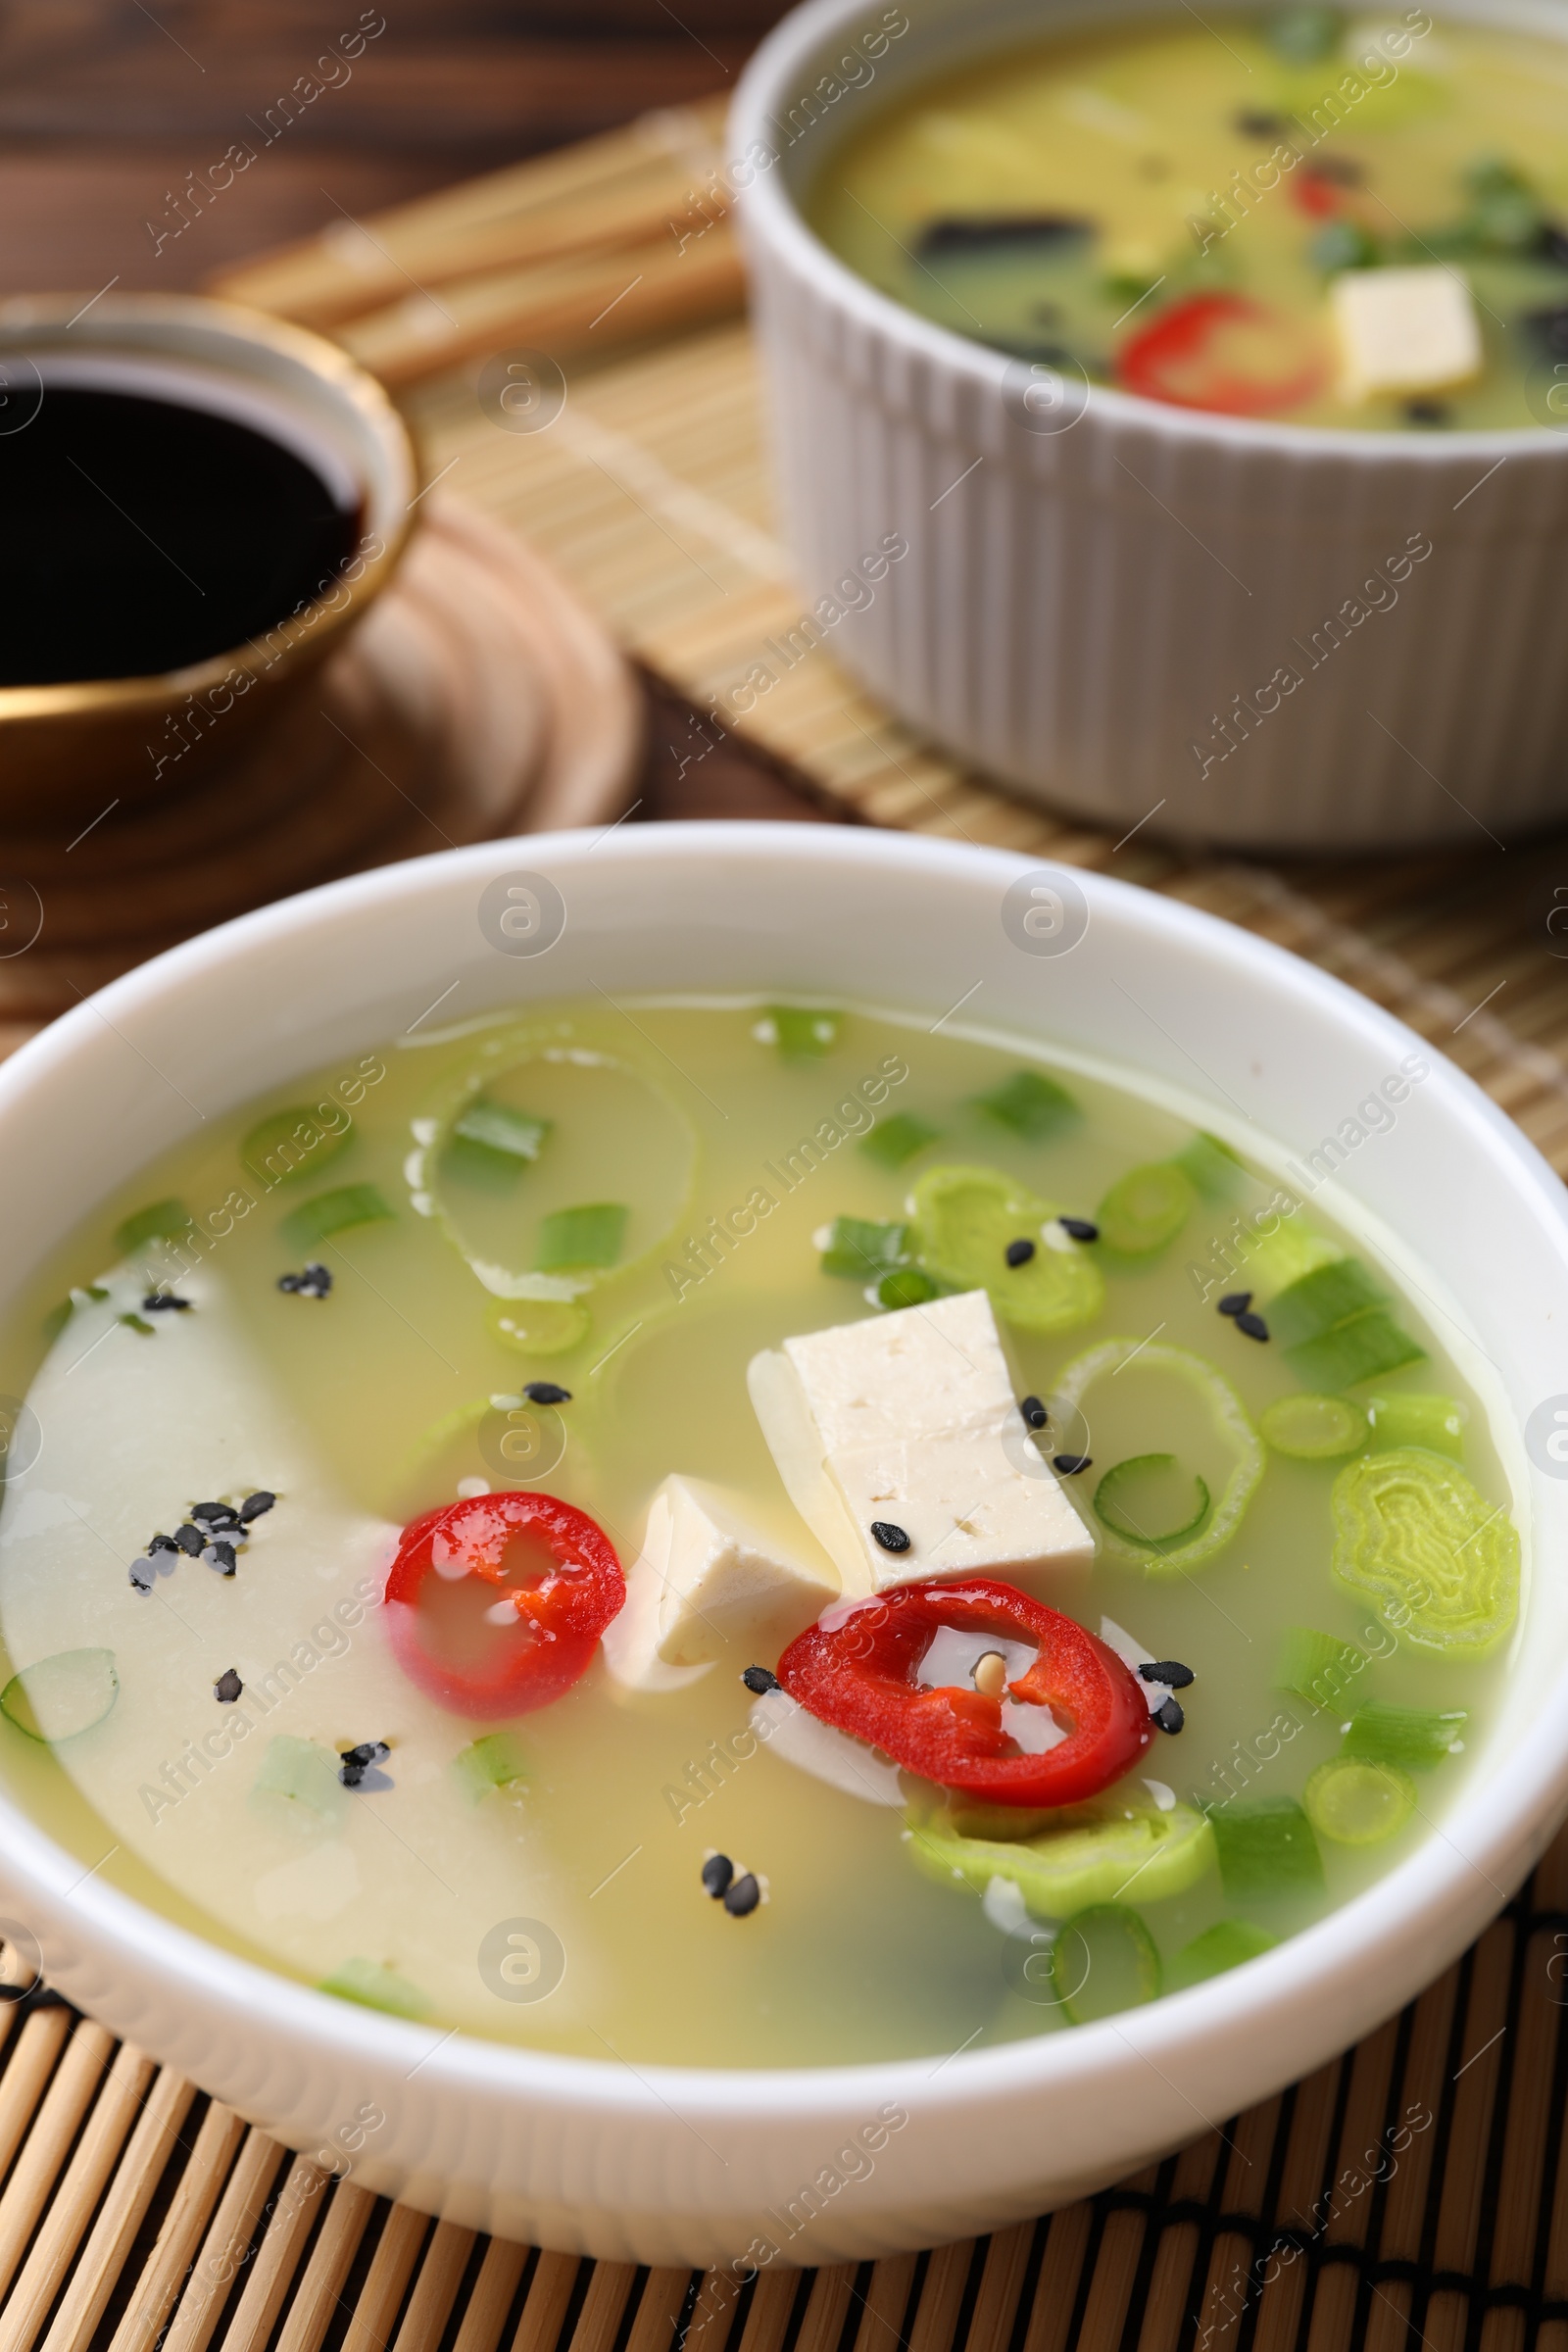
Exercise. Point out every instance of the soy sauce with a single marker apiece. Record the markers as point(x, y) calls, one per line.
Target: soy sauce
point(140, 535)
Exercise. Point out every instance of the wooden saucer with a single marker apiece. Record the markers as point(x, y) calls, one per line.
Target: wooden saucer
point(478, 699)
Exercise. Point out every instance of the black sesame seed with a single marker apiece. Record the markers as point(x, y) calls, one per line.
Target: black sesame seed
point(142, 1573)
point(891, 1538)
point(1235, 1302)
point(1427, 411)
point(215, 1514)
point(1082, 1229)
point(1033, 1411)
point(320, 1277)
point(1260, 125)
point(742, 1895)
point(719, 1875)
point(1167, 1671)
point(190, 1541)
point(291, 1282)
point(158, 1303)
point(1068, 1465)
point(1019, 1252)
point(227, 1688)
point(1169, 1716)
point(222, 1557)
point(162, 1543)
point(369, 1751)
point(1254, 1325)
point(759, 1681)
point(546, 1392)
point(253, 1505)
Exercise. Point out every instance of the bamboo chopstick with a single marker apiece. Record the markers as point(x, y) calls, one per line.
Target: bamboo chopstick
point(614, 190)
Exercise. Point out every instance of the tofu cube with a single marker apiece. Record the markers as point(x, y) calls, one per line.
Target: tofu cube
point(1405, 331)
point(971, 1499)
point(705, 1586)
point(912, 1374)
point(910, 1418)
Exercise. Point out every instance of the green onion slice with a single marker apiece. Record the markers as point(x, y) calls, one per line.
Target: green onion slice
point(515, 1134)
point(1031, 1106)
point(1210, 1166)
point(1219, 1948)
point(1103, 1960)
point(1145, 1209)
point(160, 1221)
point(964, 1218)
point(1318, 1667)
point(298, 1782)
point(894, 1141)
point(1152, 1502)
point(62, 1697)
point(1266, 1846)
point(371, 1986)
point(293, 1143)
point(1435, 1422)
point(906, 1285)
point(327, 1213)
point(1309, 1428)
point(1414, 1738)
point(1365, 1347)
point(495, 1761)
point(1437, 1562)
point(1353, 1803)
point(1173, 1555)
point(863, 1250)
point(573, 1239)
point(801, 1032)
point(537, 1326)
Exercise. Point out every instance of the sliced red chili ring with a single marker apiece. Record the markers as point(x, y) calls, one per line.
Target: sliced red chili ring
point(533, 1583)
point(1227, 353)
point(857, 1668)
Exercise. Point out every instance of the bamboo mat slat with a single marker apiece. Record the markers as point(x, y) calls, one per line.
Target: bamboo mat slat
point(1412, 2193)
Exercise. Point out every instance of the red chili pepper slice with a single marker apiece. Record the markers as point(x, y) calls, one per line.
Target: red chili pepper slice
point(1224, 351)
point(857, 1670)
point(495, 1605)
point(1313, 194)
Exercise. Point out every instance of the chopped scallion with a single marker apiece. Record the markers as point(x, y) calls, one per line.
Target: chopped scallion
point(1317, 1667)
point(574, 1238)
point(494, 1762)
point(1145, 1209)
point(1365, 1347)
point(61, 1696)
point(333, 1212)
point(864, 1250)
point(1209, 1166)
point(1031, 1104)
point(496, 1127)
point(375, 1986)
point(894, 1141)
point(1438, 1561)
point(1314, 1429)
point(1223, 1947)
point(801, 1032)
point(906, 1285)
point(1356, 1804)
point(1416, 1738)
point(292, 1143)
point(1152, 1501)
point(160, 1221)
point(1435, 1422)
point(1266, 1846)
point(1321, 1301)
point(1103, 1960)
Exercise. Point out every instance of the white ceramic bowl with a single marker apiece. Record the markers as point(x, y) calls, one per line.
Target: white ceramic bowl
point(1097, 587)
point(664, 2165)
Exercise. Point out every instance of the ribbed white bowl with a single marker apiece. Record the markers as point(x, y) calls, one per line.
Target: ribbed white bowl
point(1090, 587)
point(684, 2165)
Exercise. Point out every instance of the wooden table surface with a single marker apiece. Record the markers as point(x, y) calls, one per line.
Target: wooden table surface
point(108, 105)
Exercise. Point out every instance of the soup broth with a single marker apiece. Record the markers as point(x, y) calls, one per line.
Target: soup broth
point(1298, 214)
point(565, 1255)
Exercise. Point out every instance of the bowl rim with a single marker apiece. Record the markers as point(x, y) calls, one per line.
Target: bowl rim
point(42, 318)
point(1405, 1910)
point(767, 211)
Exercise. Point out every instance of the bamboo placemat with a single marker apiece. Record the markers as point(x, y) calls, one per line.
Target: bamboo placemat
point(1415, 2191)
